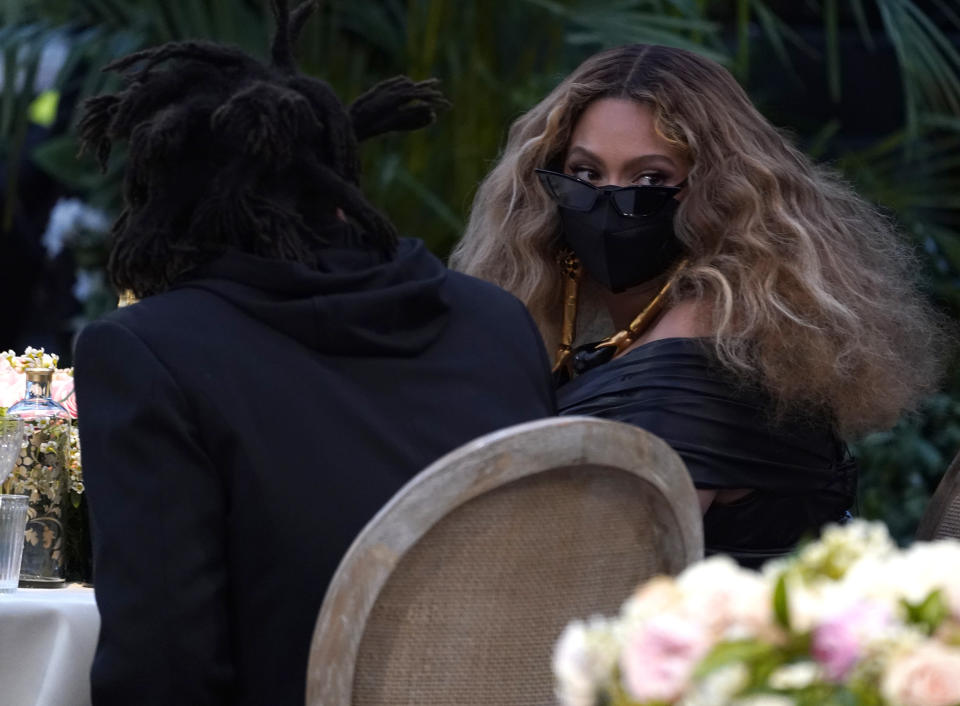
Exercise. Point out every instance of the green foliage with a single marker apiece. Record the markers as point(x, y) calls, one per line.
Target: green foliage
point(903, 466)
point(747, 652)
point(781, 608)
point(929, 613)
point(497, 58)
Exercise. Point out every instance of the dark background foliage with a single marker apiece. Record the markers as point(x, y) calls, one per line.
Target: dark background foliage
point(870, 86)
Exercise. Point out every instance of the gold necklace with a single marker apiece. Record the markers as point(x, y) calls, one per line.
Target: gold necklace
point(622, 339)
point(571, 271)
point(618, 342)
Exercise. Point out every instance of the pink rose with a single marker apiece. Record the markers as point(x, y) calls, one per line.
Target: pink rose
point(659, 658)
point(838, 642)
point(12, 385)
point(61, 390)
point(930, 676)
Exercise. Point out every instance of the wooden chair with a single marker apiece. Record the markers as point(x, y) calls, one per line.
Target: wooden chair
point(456, 592)
point(941, 518)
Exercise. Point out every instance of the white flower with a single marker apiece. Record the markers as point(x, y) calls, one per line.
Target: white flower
point(67, 218)
point(31, 358)
point(583, 661)
point(718, 687)
point(734, 603)
point(659, 595)
point(832, 575)
point(929, 566)
point(839, 548)
point(871, 579)
point(765, 700)
point(88, 283)
point(911, 575)
point(795, 676)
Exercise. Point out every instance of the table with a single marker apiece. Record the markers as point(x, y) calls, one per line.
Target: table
point(47, 640)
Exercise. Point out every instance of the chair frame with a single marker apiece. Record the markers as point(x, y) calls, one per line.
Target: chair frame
point(472, 470)
point(947, 490)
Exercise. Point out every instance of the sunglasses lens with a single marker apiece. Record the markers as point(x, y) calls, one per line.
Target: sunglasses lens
point(568, 192)
point(642, 200)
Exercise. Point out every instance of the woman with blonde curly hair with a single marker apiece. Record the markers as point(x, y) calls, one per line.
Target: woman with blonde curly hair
point(761, 311)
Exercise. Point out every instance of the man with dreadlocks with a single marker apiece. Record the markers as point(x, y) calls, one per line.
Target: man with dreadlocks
point(291, 363)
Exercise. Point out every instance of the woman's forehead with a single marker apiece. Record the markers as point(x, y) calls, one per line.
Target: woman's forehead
point(620, 128)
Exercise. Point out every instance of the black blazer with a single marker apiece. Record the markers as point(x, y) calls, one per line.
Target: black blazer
point(239, 431)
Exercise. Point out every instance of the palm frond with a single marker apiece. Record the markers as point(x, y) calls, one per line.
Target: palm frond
point(742, 59)
point(830, 23)
point(629, 22)
point(22, 49)
point(817, 144)
point(929, 63)
point(863, 27)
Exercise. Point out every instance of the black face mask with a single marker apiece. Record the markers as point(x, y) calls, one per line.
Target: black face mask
point(621, 251)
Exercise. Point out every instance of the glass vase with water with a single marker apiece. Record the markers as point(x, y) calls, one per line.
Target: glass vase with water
point(41, 473)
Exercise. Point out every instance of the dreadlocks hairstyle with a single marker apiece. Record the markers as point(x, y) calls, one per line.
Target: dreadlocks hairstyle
point(227, 152)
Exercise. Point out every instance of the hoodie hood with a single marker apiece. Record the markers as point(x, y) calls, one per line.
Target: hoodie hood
point(352, 304)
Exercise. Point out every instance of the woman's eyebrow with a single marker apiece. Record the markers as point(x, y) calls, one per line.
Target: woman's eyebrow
point(582, 153)
point(578, 152)
point(651, 159)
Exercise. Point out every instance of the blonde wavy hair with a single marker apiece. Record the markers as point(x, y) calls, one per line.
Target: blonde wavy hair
point(809, 289)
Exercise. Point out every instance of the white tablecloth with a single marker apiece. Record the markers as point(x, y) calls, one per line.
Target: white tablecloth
point(47, 640)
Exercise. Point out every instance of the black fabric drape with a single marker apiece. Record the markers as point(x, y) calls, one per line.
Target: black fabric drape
point(729, 438)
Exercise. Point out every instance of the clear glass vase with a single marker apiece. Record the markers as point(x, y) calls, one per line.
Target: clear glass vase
point(41, 473)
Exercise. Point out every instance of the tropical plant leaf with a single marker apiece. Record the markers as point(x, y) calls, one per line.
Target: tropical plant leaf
point(817, 144)
point(860, 16)
point(781, 606)
point(830, 22)
point(929, 613)
point(733, 652)
point(929, 63)
point(624, 23)
point(778, 33)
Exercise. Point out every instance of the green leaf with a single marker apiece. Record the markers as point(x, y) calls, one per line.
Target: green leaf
point(929, 613)
point(833, 48)
point(43, 110)
point(623, 23)
point(433, 203)
point(742, 63)
point(735, 651)
point(58, 158)
point(949, 12)
point(776, 31)
point(781, 607)
point(818, 143)
point(862, 25)
point(929, 63)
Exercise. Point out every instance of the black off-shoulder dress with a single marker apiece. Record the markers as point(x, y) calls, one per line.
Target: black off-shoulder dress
point(801, 475)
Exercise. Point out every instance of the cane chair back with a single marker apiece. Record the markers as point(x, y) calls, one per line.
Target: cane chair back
point(456, 592)
point(941, 519)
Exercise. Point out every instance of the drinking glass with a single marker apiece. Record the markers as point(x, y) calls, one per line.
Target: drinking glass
point(13, 520)
point(13, 508)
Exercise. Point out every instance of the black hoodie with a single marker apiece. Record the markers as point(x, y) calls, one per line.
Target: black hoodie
point(239, 430)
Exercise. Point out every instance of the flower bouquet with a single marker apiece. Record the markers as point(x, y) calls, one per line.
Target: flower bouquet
point(850, 619)
point(49, 472)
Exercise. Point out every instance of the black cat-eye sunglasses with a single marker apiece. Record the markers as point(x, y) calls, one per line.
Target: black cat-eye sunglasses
point(579, 195)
